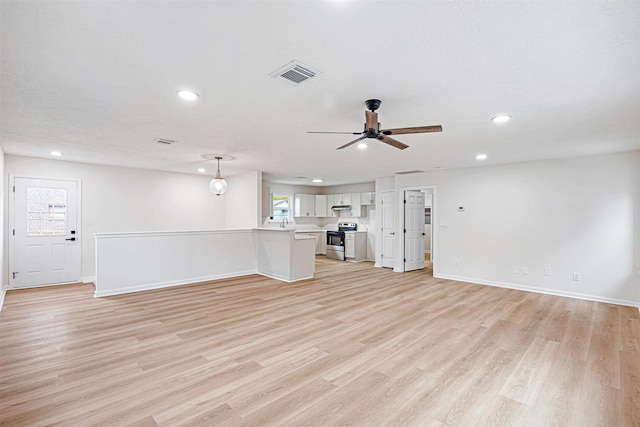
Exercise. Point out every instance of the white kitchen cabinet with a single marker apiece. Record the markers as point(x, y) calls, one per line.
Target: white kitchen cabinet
point(321, 205)
point(321, 245)
point(321, 240)
point(349, 245)
point(368, 198)
point(345, 199)
point(332, 200)
point(356, 208)
point(304, 205)
point(355, 245)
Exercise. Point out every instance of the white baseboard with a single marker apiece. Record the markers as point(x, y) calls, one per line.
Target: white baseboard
point(160, 285)
point(88, 279)
point(282, 278)
point(540, 290)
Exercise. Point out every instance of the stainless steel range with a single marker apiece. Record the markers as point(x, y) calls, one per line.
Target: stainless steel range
point(335, 240)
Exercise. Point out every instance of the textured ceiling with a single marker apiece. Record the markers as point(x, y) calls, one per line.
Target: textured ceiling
point(98, 81)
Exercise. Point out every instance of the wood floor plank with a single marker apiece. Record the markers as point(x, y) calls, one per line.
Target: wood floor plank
point(373, 348)
point(527, 380)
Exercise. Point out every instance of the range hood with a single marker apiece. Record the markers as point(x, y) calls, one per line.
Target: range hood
point(340, 207)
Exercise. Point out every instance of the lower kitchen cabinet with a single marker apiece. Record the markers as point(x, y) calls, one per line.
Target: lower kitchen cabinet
point(355, 245)
point(321, 240)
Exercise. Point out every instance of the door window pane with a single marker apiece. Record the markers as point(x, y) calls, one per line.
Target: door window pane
point(46, 211)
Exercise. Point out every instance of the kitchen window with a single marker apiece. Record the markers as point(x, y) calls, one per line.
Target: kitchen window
point(281, 207)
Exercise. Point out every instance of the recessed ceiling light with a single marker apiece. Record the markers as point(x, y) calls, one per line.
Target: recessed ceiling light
point(56, 153)
point(481, 156)
point(316, 180)
point(500, 119)
point(362, 145)
point(201, 170)
point(188, 95)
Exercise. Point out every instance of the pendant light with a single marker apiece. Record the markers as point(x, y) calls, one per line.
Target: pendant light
point(218, 185)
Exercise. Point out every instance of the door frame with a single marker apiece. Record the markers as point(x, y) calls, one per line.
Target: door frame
point(12, 220)
point(434, 215)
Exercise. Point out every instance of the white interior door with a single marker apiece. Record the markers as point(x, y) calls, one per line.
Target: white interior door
point(388, 229)
point(45, 234)
point(414, 230)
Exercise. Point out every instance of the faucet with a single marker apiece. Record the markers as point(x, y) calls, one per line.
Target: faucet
point(282, 223)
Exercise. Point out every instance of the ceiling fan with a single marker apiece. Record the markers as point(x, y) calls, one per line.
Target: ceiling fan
point(372, 128)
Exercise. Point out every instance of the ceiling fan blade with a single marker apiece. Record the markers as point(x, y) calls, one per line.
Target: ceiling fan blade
point(342, 133)
point(372, 120)
point(392, 142)
point(417, 129)
point(352, 142)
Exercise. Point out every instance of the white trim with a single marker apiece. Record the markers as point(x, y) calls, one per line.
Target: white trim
point(540, 290)
point(282, 278)
point(88, 279)
point(120, 235)
point(3, 292)
point(160, 285)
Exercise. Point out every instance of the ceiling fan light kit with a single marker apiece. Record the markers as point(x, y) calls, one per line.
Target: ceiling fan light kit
point(372, 129)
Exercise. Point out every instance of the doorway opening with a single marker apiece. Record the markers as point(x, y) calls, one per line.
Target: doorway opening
point(417, 247)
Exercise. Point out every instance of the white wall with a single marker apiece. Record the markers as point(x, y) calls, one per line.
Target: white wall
point(3, 265)
point(571, 215)
point(243, 200)
point(116, 199)
point(131, 262)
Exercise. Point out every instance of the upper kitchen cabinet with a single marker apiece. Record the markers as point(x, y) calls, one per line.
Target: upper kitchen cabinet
point(368, 198)
point(333, 200)
point(356, 208)
point(321, 205)
point(345, 199)
point(304, 205)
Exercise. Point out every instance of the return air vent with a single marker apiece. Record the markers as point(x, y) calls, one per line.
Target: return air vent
point(165, 141)
point(294, 73)
point(409, 172)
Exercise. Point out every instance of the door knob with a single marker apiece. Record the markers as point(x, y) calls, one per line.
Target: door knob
point(73, 239)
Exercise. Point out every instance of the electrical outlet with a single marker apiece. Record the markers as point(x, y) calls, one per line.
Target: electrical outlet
point(525, 270)
point(516, 269)
point(456, 263)
point(547, 271)
point(576, 276)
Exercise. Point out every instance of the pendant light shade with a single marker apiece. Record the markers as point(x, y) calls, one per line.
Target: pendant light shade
point(218, 185)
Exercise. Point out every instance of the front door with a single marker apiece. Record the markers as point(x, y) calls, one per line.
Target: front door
point(45, 234)
point(414, 230)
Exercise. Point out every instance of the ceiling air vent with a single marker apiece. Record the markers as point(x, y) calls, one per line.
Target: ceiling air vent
point(165, 141)
point(294, 73)
point(409, 172)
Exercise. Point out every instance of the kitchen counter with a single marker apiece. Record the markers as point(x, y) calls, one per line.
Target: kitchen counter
point(284, 255)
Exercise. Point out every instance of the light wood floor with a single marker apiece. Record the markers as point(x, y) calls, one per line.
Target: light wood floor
point(356, 346)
